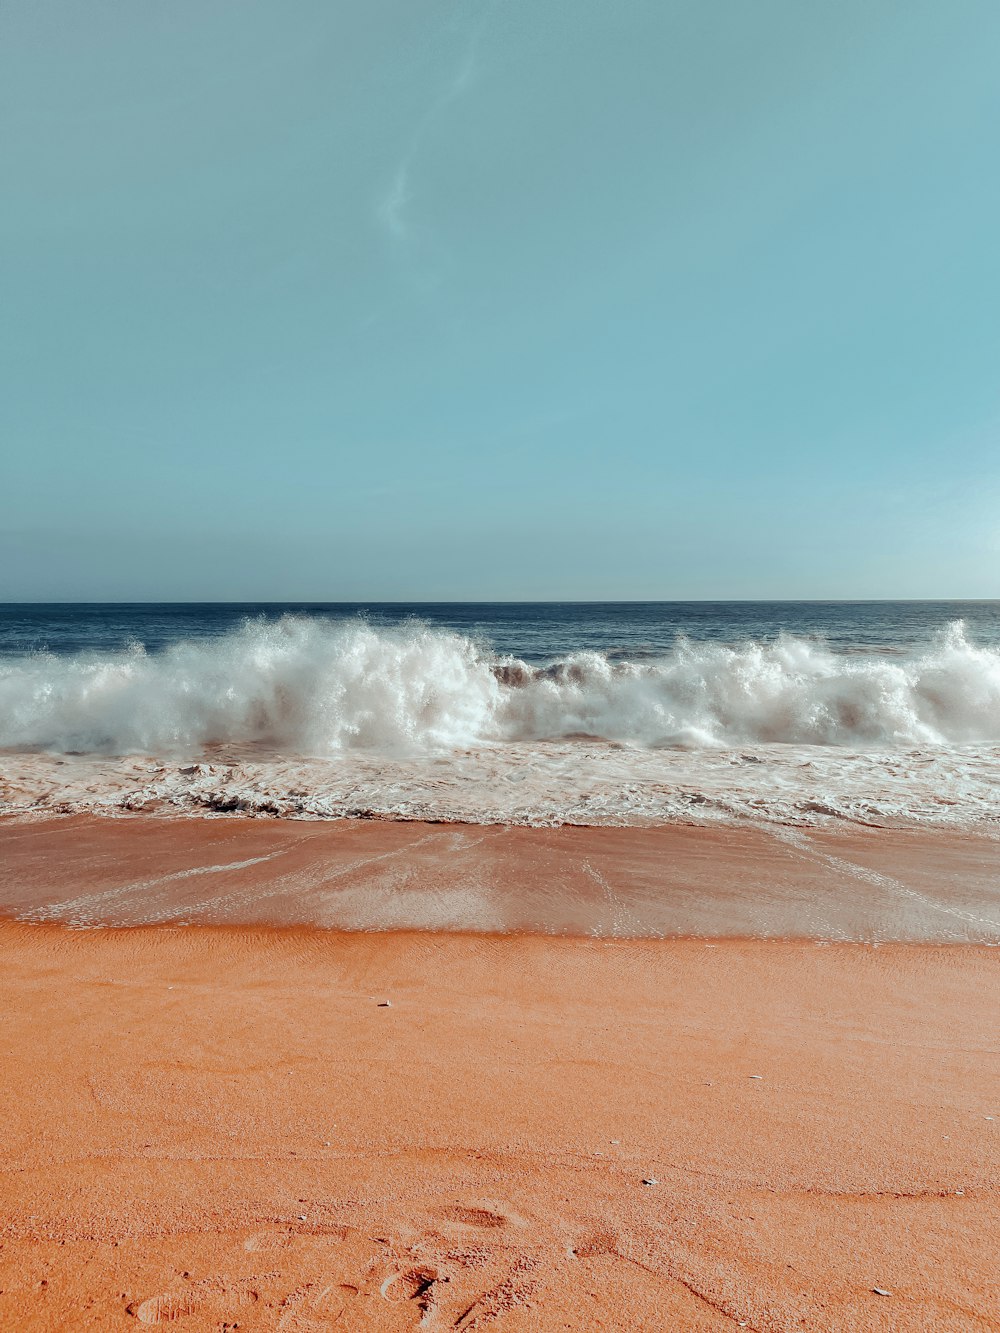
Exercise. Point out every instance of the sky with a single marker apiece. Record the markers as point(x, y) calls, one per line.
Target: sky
point(499, 299)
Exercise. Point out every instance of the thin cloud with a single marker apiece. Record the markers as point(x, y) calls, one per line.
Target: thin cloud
point(390, 211)
point(391, 208)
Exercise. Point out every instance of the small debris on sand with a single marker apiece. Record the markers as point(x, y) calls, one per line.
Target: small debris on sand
point(385, 1004)
point(650, 1180)
point(881, 1291)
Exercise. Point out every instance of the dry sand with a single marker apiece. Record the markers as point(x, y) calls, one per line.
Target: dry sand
point(225, 1126)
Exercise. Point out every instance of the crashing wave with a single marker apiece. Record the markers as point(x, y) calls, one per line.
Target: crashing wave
point(313, 687)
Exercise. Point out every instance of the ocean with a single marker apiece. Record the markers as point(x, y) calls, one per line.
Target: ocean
point(783, 713)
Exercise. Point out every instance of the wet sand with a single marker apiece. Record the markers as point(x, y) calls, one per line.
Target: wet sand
point(848, 883)
point(269, 1126)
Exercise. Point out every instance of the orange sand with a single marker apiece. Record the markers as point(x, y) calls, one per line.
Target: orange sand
point(847, 884)
point(219, 1127)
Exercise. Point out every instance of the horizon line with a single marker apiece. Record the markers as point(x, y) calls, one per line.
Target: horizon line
point(511, 601)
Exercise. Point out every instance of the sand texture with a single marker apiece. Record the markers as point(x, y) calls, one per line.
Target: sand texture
point(674, 880)
point(228, 1127)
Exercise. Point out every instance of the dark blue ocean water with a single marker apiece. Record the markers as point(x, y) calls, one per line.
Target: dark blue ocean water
point(534, 631)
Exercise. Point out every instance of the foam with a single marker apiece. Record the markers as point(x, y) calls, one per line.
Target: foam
point(310, 687)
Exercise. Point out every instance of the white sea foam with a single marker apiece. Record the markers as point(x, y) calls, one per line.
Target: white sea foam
point(317, 688)
point(573, 781)
point(308, 719)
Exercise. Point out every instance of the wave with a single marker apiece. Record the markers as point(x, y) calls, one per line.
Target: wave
point(313, 687)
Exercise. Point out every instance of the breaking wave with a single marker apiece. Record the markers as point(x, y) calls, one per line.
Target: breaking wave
point(317, 688)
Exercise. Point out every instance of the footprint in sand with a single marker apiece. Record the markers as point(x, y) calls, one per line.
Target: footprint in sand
point(477, 1217)
point(170, 1306)
point(417, 1285)
point(163, 1309)
point(603, 1242)
point(311, 1308)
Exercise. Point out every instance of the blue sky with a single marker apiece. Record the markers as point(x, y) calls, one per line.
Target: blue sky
point(532, 298)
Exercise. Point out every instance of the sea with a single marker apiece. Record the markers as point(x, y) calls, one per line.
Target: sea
point(781, 713)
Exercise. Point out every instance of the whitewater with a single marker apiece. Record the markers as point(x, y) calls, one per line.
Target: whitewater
point(308, 717)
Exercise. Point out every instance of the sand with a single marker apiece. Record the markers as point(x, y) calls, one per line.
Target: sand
point(268, 1126)
point(674, 880)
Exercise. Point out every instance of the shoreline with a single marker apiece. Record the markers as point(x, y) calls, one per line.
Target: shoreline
point(665, 881)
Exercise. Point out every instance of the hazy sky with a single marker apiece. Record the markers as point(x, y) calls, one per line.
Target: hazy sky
point(532, 298)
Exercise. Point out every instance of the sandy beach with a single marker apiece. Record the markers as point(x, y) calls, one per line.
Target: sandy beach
point(266, 1126)
point(842, 883)
point(499, 667)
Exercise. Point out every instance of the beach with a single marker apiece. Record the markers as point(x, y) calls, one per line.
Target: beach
point(221, 1117)
point(499, 667)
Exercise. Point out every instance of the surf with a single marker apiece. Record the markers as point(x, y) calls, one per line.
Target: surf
point(307, 686)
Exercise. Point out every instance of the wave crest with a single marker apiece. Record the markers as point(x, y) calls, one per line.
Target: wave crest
point(315, 687)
